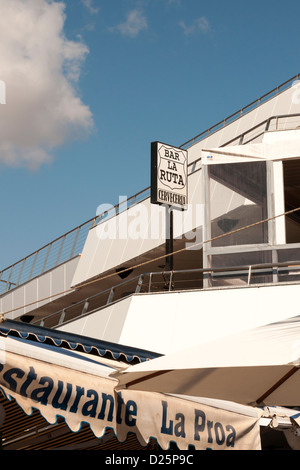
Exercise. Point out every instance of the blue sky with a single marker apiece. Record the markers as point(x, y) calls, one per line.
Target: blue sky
point(139, 71)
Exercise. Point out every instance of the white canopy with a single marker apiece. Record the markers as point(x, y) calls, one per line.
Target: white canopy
point(276, 145)
point(259, 366)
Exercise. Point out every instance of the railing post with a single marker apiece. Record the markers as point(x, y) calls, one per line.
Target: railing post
point(8, 280)
point(139, 284)
point(170, 282)
point(75, 241)
point(33, 265)
point(21, 271)
point(85, 307)
point(1, 274)
point(46, 257)
point(111, 296)
point(60, 250)
point(249, 274)
point(62, 317)
point(150, 279)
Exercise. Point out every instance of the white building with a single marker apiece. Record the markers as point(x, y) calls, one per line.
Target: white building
point(236, 247)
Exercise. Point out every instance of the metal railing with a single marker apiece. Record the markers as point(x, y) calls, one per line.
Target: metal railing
point(233, 117)
point(178, 280)
point(60, 250)
point(259, 129)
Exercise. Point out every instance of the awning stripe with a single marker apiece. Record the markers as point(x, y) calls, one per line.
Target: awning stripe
point(43, 377)
point(75, 342)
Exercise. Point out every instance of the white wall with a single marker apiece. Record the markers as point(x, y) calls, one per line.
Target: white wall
point(167, 322)
point(106, 324)
point(50, 284)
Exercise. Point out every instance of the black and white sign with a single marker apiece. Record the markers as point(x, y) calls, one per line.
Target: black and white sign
point(168, 175)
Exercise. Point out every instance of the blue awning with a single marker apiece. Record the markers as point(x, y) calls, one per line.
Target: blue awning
point(75, 342)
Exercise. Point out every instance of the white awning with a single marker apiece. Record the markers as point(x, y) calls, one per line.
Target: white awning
point(275, 146)
point(80, 388)
point(259, 366)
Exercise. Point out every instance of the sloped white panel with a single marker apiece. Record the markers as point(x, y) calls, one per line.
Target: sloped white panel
point(171, 321)
point(47, 286)
point(140, 229)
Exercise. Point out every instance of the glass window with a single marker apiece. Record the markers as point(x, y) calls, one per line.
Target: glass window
point(291, 171)
point(244, 275)
point(238, 197)
point(289, 273)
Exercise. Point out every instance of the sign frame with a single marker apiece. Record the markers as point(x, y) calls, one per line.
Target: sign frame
point(166, 157)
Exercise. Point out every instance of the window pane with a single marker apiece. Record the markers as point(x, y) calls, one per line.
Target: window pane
point(239, 277)
point(238, 197)
point(291, 169)
point(289, 273)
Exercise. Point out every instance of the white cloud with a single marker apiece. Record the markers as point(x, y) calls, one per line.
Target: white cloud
point(89, 4)
point(40, 68)
point(133, 25)
point(200, 25)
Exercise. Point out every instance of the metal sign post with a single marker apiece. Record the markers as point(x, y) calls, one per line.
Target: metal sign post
point(169, 239)
point(169, 186)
